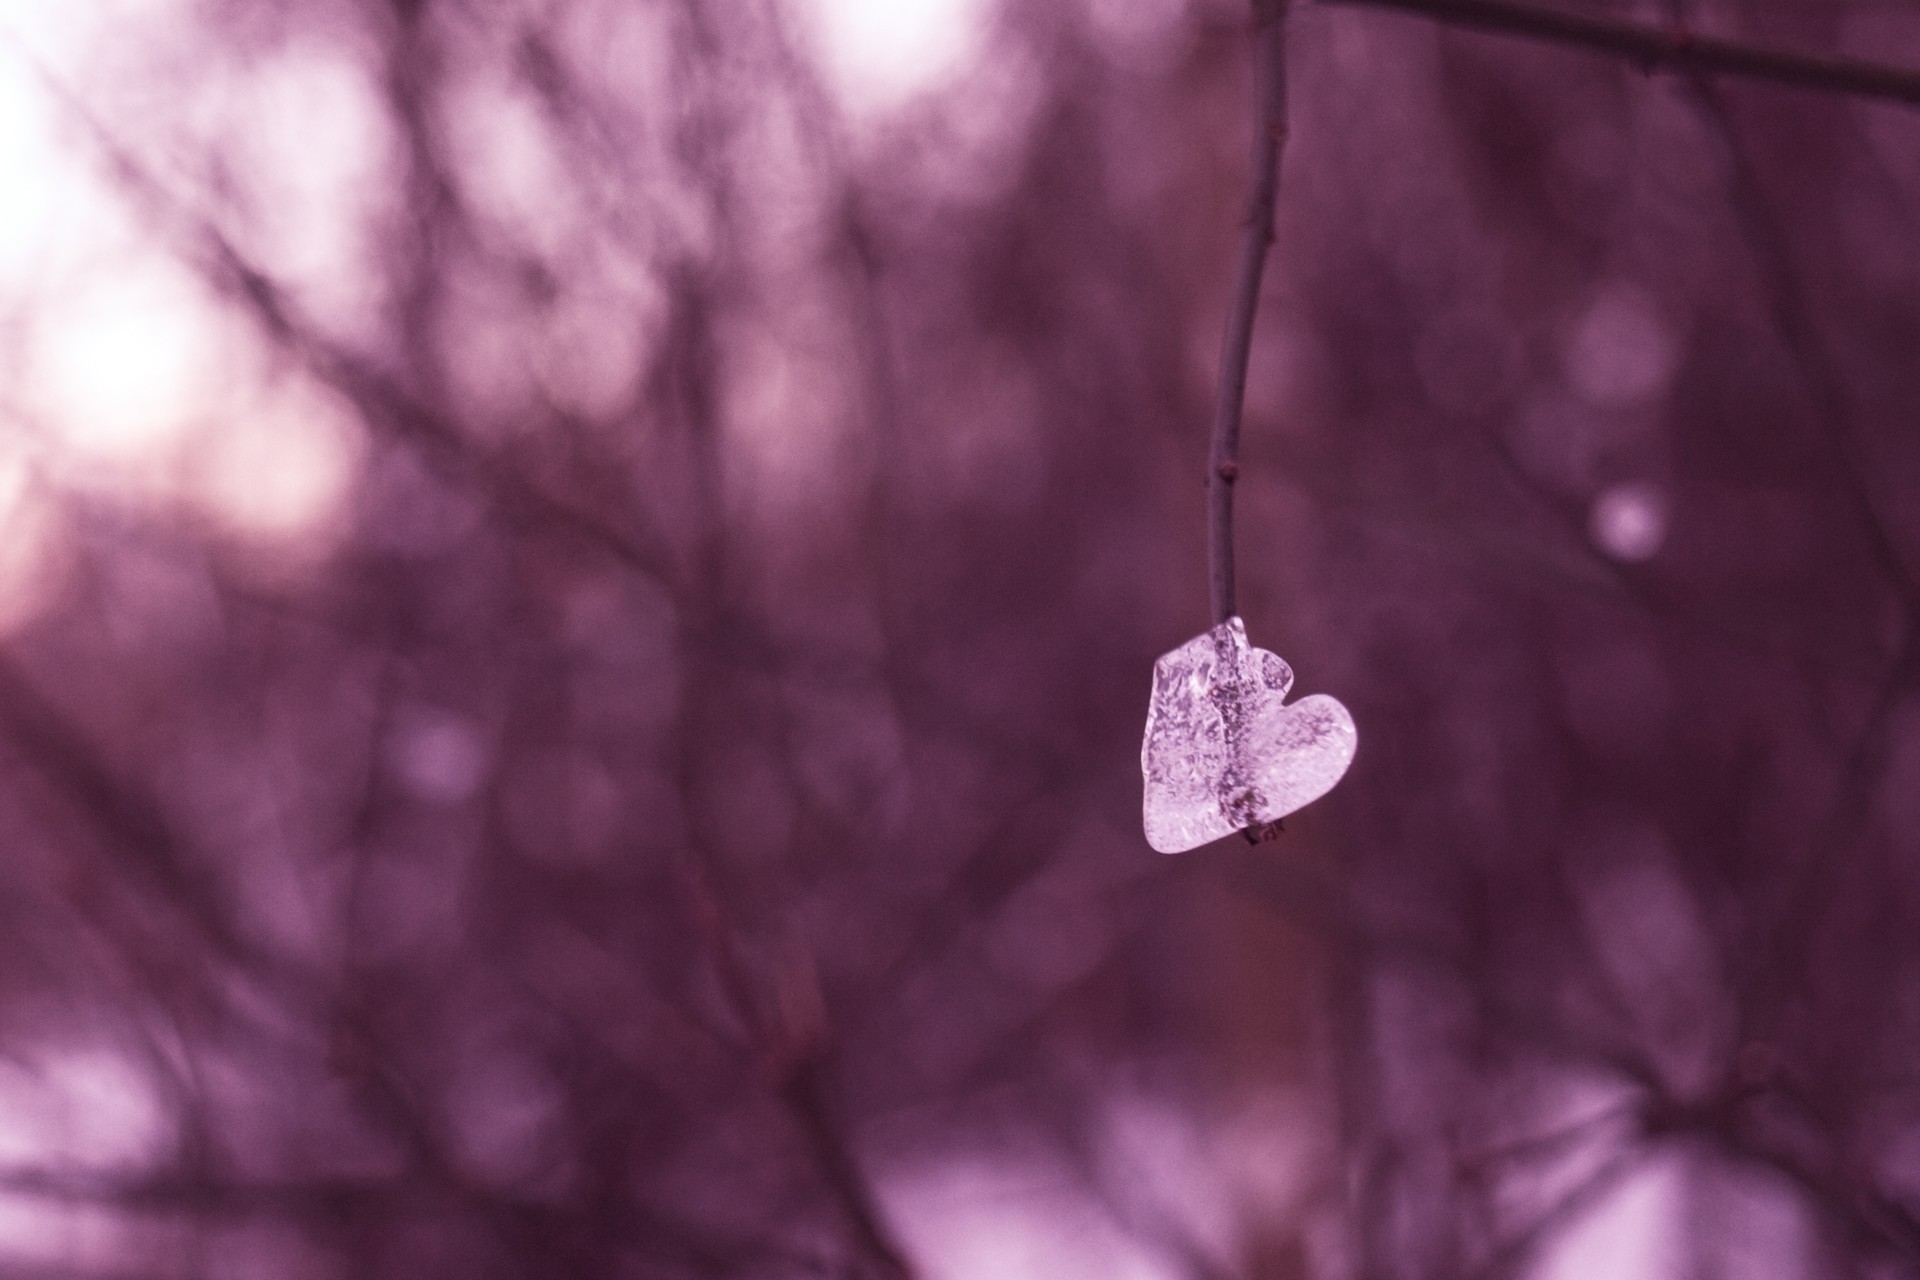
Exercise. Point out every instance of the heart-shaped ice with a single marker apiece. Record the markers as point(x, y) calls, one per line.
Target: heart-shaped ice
point(1222, 753)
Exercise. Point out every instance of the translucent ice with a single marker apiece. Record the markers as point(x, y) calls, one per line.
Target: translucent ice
point(1222, 753)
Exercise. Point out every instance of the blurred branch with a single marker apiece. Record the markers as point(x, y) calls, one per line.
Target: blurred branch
point(1834, 1179)
point(381, 399)
point(1814, 880)
point(1765, 237)
point(119, 808)
point(1525, 1248)
point(347, 1199)
point(1669, 49)
point(791, 1038)
point(1541, 1148)
point(805, 1093)
point(1270, 130)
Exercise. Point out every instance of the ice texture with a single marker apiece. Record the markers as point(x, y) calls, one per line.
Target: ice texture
point(1222, 753)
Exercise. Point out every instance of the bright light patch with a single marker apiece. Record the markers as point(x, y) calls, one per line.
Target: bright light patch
point(1005, 1220)
point(124, 366)
point(25, 148)
point(78, 1110)
point(1634, 1232)
point(281, 469)
point(72, 1111)
point(512, 166)
point(315, 159)
point(882, 55)
point(51, 30)
point(1629, 522)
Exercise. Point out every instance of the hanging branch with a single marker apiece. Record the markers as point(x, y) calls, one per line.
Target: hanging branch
point(1672, 49)
point(1270, 130)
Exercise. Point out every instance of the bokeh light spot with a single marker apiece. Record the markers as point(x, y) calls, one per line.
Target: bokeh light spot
point(1629, 521)
point(284, 468)
point(1622, 351)
point(127, 364)
point(881, 56)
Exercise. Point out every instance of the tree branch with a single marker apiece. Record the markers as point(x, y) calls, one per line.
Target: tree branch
point(1270, 130)
point(1671, 49)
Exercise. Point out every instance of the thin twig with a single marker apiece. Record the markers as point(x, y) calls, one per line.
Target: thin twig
point(1672, 49)
point(1270, 130)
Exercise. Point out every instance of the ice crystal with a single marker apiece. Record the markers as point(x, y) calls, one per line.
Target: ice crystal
point(1222, 753)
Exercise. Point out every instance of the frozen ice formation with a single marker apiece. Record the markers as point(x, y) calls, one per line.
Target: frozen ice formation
point(1222, 753)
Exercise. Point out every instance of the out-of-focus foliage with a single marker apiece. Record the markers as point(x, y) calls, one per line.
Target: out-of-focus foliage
point(579, 583)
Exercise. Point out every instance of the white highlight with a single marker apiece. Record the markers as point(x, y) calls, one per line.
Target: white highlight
point(126, 363)
point(1214, 1181)
point(1629, 521)
point(136, 380)
point(881, 55)
point(1634, 1232)
point(78, 1111)
point(282, 468)
point(1002, 1219)
point(314, 159)
point(26, 147)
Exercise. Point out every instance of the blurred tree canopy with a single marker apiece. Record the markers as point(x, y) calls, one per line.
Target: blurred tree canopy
point(579, 580)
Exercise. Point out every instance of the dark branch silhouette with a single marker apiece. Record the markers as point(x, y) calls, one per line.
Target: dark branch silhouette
point(1674, 49)
point(1256, 237)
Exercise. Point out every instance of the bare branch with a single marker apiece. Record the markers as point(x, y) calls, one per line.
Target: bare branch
point(1671, 49)
point(1270, 130)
